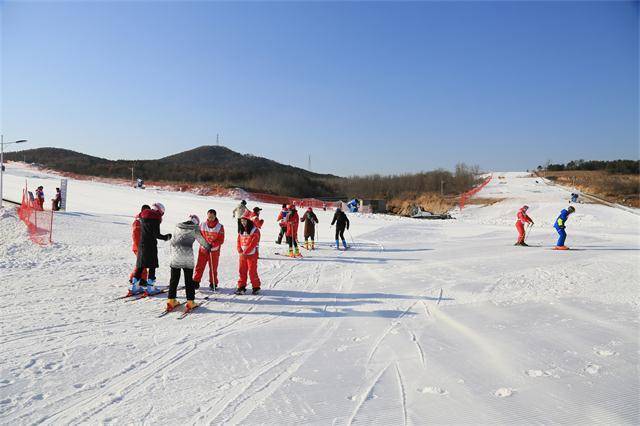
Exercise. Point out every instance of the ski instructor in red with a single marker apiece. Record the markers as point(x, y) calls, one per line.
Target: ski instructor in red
point(523, 219)
point(212, 231)
point(248, 242)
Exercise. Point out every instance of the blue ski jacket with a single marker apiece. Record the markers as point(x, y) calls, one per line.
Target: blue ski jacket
point(562, 219)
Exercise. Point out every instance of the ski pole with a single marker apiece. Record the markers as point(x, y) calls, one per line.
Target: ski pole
point(351, 236)
point(526, 234)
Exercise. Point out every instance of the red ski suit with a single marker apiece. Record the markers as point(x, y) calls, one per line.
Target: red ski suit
point(248, 244)
point(523, 218)
point(135, 238)
point(213, 232)
point(293, 220)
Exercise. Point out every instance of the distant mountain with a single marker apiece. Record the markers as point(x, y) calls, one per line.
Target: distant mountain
point(205, 164)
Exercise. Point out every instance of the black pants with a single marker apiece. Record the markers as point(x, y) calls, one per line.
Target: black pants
point(340, 233)
point(292, 243)
point(283, 229)
point(151, 276)
point(188, 283)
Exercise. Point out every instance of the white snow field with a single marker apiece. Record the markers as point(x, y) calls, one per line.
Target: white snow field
point(518, 335)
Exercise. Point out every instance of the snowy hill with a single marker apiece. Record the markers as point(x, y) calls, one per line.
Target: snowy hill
point(420, 322)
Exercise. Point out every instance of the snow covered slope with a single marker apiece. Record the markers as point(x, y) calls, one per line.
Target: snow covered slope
point(421, 322)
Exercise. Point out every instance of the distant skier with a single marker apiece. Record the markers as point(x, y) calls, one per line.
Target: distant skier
point(574, 198)
point(135, 238)
point(255, 217)
point(212, 231)
point(341, 221)
point(560, 225)
point(148, 248)
point(292, 221)
point(40, 198)
point(248, 246)
point(310, 219)
point(57, 201)
point(182, 258)
point(239, 211)
point(523, 219)
point(282, 221)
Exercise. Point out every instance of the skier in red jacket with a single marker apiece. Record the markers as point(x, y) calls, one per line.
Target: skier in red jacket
point(135, 237)
point(292, 221)
point(523, 219)
point(248, 245)
point(212, 231)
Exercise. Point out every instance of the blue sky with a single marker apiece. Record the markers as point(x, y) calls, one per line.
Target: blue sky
point(361, 87)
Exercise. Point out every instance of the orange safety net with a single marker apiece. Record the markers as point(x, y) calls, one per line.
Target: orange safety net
point(299, 202)
point(473, 191)
point(39, 221)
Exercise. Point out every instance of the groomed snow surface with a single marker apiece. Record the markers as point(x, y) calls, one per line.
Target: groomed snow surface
point(420, 322)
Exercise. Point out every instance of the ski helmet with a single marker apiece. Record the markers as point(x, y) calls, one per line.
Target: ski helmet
point(571, 209)
point(525, 207)
point(195, 219)
point(159, 207)
point(243, 202)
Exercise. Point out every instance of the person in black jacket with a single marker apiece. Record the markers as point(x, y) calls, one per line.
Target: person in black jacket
point(341, 221)
point(148, 248)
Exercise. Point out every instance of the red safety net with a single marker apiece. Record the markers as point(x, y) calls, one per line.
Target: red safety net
point(473, 191)
point(39, 221)
point(300, 202)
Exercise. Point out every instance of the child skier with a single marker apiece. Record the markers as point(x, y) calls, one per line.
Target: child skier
point(40, 198)
point(182, 258)
point(248, 245)
point(148, 248)
point(255, 217)
point(341, 221)
point(523, 219)
point(560, 225)
point(310, 219)
point(282, 221)
point(212, 231)
point(135, 237)
point(239, 211)
point(292, 221)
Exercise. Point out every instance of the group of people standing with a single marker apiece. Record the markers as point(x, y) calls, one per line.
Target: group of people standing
point(560, 225)
point(39, 199)
point(210, 236)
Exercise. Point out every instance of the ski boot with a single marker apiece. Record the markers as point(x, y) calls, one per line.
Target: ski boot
point(344, 244)
point(135, 288)
point(297, 253)
point(240, 290)
point(561, 248)
point(196, 284)
point(291, 253)
point(213, 287)
point(337, 245)
point(255, 290)
point(306, 245)
point(191, 305)
point(171, 304)
point(151, 288)
point(313, 245)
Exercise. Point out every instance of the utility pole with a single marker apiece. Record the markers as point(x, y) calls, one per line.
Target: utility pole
point(217, 139)
point(2, 144)
point(309, 164)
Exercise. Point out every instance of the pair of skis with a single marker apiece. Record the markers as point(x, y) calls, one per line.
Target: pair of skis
point(184, 314)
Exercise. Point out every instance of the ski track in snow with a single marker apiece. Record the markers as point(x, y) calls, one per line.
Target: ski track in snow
point(503, 335)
